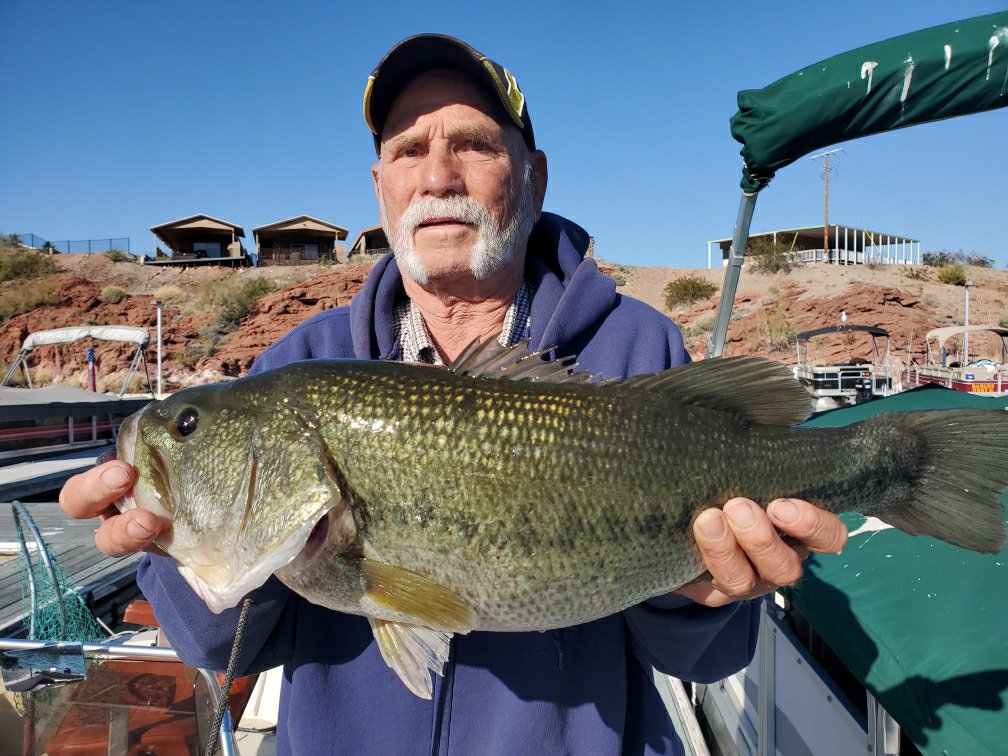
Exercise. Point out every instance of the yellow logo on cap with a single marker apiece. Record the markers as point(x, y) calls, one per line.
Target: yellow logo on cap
point(509, 90)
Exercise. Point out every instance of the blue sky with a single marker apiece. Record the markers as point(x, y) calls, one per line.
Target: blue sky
point(122, 115)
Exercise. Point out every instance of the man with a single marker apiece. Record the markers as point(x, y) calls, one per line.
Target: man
point(460, 186)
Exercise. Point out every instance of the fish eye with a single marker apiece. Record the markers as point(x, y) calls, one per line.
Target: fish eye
point(185, 423)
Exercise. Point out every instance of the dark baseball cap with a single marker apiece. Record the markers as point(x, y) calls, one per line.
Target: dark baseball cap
point(426, 52)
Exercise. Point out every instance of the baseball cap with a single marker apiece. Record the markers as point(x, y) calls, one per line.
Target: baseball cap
point(426, 52)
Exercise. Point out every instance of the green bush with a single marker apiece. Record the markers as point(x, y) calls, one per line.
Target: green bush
point(29, 295)
point(952, 273)
point(687, 290)
point(1004, 321)
point(940, 259)
point(768, 258)
point(235, 299)
point(20, 263)
point(112, 295)
point(117, 255)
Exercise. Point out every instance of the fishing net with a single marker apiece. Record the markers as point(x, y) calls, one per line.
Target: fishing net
point(52, 609)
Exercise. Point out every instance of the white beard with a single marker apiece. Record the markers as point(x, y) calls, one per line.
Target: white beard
point(495, 245)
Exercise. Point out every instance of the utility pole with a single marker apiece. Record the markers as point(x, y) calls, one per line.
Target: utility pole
point(825, 228)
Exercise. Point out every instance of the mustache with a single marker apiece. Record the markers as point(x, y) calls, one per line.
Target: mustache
point(464, 208)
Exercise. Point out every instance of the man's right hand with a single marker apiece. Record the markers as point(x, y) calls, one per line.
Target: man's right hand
point(93, 493)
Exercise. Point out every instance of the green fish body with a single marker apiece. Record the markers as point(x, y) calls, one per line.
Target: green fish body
point(508, 494)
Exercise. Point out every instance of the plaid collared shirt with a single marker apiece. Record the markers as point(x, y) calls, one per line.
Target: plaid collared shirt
point(415, 341)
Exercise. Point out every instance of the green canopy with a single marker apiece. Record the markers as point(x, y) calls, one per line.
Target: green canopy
point(936, 73)
point(920, 623)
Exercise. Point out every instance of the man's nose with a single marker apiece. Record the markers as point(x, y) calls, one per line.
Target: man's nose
point(443, 172)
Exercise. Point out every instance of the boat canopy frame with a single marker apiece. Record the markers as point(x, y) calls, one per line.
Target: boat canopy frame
point(71, 334)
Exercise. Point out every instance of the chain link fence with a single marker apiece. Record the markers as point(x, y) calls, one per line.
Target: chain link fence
point(86, 246)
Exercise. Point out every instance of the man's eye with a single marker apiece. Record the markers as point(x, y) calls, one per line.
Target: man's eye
point(478, 146)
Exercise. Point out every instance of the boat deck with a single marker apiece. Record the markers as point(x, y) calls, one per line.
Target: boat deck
point(106, 583)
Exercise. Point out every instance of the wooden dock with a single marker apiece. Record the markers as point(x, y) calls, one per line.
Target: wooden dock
point(106, 583)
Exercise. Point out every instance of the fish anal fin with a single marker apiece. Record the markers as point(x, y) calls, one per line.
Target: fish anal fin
point(412, 652)
point(416, 596)
point(759, 391)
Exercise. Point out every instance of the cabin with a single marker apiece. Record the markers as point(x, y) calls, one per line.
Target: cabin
point(836, 244)
point(301, 240)
point(371, 243)
point(199, 240)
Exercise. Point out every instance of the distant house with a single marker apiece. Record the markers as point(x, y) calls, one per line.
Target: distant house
point(844, 245)
point(300, 240)
point(370, 244)
point(199, 240)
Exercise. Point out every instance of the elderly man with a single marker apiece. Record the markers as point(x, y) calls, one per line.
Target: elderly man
point(460, 185)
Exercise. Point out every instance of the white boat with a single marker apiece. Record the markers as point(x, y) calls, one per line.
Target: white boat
point(980, 376)
point(838, 384)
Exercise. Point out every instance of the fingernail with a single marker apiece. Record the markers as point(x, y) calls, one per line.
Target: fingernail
point(137, 531)
point(711, 525)
point(784, 510)
point(115, 477)
point(740, 514)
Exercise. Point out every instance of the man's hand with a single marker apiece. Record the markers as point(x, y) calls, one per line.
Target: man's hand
point(746, 556)
point(92, 493)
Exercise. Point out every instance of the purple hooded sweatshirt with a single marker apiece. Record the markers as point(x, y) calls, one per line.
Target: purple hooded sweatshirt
point(581, 690)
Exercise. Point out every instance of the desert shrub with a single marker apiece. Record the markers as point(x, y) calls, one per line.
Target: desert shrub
point(112, 295)
point(768, 258)
point(619, 275)
point(687, 290)
point(1004, 321)
point(19, 263)
point(939, 259)
point(931, 301)
point(28, 296)
point(169, 293)
point(915, 273)
point(779, 332)
point(700, 327)
point(952, 273)
point(117, 255)
point(234, 299)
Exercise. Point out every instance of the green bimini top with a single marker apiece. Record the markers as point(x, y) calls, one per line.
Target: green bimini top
point(945, 71)
point(922, 624)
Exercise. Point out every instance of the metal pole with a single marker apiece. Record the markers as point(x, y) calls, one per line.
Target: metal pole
point(966, 324)
point(157, 303)
point(740, 235)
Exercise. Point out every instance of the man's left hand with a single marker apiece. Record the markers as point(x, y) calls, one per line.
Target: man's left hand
point(746, 554)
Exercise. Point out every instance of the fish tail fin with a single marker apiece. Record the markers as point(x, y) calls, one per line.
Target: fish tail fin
point(961, 469)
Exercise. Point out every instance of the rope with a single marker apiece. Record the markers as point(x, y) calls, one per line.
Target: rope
point(229, 676)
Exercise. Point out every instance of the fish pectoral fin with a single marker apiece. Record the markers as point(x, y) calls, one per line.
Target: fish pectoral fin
point(412, 652)
point(410, 593)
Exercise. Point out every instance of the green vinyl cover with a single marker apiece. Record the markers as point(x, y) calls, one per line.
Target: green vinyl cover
point(935, 73)
point(922, 624)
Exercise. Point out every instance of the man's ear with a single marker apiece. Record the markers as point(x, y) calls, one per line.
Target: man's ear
point(376, 177)
point(540, 174)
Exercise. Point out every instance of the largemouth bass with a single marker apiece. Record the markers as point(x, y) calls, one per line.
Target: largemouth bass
point(509, 494)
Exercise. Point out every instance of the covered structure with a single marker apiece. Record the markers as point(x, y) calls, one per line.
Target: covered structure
point(847, 245)
point(200, 239)
point(371, 243)
point(299, 240)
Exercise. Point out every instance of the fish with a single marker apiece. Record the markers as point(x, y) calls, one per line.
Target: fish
point(511, 492)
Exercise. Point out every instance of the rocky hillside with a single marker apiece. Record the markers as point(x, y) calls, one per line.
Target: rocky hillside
point(215, 322)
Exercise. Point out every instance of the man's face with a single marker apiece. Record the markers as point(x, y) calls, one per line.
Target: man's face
point(458, 192)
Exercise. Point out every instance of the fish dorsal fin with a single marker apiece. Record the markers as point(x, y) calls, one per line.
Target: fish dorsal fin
point(760, 391)
point(488, 359)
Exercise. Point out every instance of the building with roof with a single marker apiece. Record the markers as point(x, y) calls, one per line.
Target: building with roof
point(844, 245)
point(299, 240)
point(370, 244)
point(199, 240)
